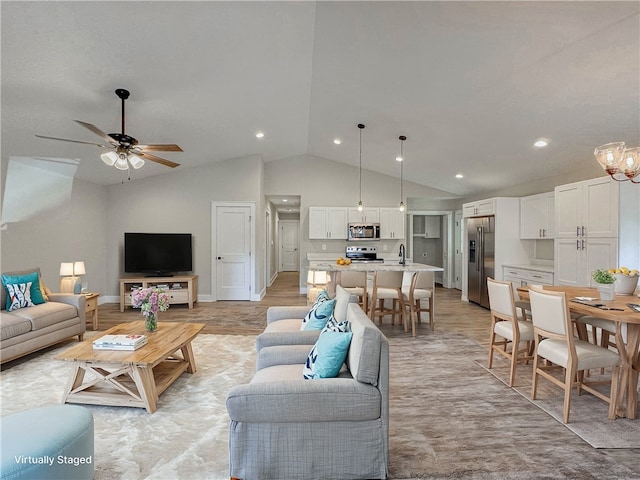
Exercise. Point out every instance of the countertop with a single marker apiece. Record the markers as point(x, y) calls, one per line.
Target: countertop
point(535, 268)
point(373, 267)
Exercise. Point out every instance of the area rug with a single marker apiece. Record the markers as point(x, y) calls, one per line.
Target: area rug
point(448, 418)
point(588, 414)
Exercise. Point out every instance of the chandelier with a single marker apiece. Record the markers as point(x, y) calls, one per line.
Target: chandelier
point(620, 162)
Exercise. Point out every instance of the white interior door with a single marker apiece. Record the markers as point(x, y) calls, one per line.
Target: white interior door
point(289, 257)
point(233, 252)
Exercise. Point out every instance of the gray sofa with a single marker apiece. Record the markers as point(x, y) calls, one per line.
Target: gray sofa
point(283, 323)
point(28, 329)
point(285, 427)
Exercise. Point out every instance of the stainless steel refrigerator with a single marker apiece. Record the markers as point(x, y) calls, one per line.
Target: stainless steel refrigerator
point(481, 255)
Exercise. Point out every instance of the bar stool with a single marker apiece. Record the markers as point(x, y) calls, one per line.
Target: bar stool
point(356, 284)
point(387, 286)
point(422, 288)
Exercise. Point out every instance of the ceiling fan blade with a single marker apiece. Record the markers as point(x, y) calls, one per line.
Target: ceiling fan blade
point(169, 147)
point(98, 132)
point(153, 158)
point(74, 141)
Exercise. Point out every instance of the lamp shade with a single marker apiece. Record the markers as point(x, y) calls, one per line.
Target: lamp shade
point(317, 277)
point(109, 158)
point(135, 161)
point(66, 269)
point(609, 156)
point(78, 268)
point(631, 162)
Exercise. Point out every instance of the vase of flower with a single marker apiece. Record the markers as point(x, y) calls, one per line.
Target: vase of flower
point(150, 301)
point(151, 322)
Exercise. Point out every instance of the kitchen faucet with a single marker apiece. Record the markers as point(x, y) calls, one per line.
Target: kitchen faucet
point(402, 254)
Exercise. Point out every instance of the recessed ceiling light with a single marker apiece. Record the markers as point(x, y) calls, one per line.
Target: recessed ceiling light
point(459, 175)
point(541, 143)
point(337, 141)
point(399, 158)
point(259, 134)
point(285, 200)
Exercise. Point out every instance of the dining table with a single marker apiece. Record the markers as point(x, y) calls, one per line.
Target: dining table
point(586, 301)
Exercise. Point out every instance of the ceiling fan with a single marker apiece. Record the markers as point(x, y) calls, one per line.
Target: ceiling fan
point(124, 149)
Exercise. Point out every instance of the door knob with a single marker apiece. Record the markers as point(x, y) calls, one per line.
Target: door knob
point(219, 258)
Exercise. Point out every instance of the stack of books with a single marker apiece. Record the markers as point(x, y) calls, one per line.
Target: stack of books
point(120, 342)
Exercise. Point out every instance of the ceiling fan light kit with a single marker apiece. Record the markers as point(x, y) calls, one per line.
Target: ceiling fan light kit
point(125, 151)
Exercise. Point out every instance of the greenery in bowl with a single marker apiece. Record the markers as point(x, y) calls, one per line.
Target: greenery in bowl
point(603, 276)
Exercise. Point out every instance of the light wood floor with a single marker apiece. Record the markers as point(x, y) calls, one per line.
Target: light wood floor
point(249, 318)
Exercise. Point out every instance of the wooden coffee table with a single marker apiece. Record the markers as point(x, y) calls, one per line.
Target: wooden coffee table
point(131, 378)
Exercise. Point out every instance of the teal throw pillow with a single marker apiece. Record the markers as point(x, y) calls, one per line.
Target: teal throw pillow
point(35, 292)
point(327, 356)
point(322, 297)
point(19, 296)
point(320, 315)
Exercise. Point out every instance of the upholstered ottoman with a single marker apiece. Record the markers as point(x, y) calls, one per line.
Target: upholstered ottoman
point(53, 442)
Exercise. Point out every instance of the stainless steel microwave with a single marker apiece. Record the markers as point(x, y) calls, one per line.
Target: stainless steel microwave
point(364, 231)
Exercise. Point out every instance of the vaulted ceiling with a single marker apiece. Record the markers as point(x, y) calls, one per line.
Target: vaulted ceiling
point(471, 84)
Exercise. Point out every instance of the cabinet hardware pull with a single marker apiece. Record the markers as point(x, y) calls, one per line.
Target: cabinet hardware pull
point(582, 244)
point(544, 232)
point(578, 244)
point(577, 231)
point(583, 231)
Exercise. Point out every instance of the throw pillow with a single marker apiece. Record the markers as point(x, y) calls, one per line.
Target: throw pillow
point(35, 292)
point(320, 315)
point(19, 296)
point(323, 296)
point(342, 303)
point(335, 326)
point(327, 356)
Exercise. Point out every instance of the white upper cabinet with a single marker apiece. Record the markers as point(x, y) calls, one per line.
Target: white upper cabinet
point(392, 224)
point(587, 209)
point(328, 223)
point(480, 208)
point(537, 217)
point(368, 215)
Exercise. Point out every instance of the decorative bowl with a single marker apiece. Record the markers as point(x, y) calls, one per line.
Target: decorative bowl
point(625, 284)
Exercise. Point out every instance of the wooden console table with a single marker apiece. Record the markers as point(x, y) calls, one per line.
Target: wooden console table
point(186, 293)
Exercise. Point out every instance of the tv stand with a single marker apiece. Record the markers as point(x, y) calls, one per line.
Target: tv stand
point(187, 293)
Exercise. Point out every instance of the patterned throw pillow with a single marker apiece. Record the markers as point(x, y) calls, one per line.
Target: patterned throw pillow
point(320, 315)
point(322, 297)
point(335, 326)
point(327, 356)
point(19, 295)
point(33, 277)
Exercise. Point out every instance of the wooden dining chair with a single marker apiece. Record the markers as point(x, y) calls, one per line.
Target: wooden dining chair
point(387, 286)
point(508, 328)
point(356, 284)
point(554, 342)
point(419, 297)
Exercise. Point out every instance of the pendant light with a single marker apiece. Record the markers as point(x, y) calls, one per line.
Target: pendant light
point(400, 159)
point(360, 205)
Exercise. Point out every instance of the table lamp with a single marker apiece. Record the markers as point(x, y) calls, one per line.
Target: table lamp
point(70, 283)
point(316, 281)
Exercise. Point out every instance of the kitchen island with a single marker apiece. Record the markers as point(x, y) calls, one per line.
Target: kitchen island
point(333, 270)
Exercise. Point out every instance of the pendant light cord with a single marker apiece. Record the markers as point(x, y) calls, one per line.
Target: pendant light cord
point(361, 127)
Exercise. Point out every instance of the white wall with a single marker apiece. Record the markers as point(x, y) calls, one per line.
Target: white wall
point(180, 201)
point(74, 231)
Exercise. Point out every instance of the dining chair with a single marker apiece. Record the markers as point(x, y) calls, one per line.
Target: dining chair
point(356, 284)
point(421, 289)
point(554, 342)
point(387, 286)
point(507, 324)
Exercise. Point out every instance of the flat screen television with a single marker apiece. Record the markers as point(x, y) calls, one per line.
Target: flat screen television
point(157, 253)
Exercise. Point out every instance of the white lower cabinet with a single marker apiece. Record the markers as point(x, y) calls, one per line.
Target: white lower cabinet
point(521, 277)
